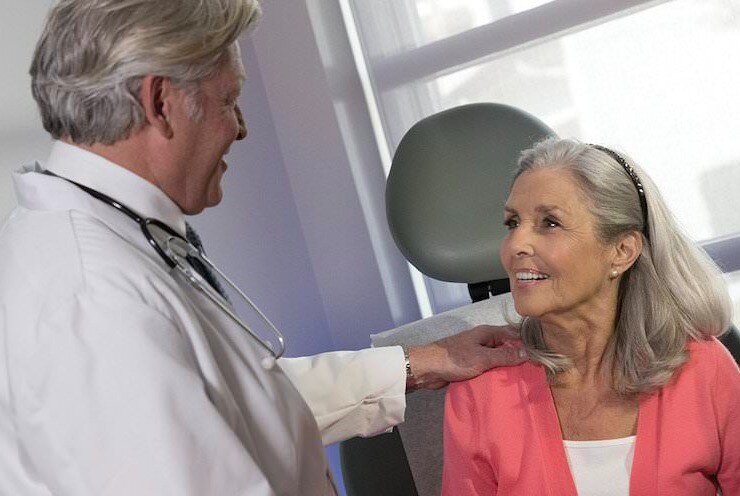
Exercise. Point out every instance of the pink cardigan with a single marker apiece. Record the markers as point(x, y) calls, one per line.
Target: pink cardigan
point(502, 435)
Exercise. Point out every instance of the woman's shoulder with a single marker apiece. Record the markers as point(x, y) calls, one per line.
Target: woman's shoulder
point(709, 353)
point(503, 376)
point(708, 366)
point(501, 384)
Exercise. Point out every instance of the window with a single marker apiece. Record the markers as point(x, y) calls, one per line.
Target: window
point(654, 78)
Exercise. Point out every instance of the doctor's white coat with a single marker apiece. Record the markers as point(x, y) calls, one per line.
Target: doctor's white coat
point(118, 379)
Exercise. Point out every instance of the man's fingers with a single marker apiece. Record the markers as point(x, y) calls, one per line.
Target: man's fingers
point(495, 335)
point(465, 355)
point(506, 356)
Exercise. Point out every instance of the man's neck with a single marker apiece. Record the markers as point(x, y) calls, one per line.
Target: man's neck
point(128, 153)
point(141, 154)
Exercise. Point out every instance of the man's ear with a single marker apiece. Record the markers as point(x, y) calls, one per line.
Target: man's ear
point(154, 93)
point(626, 251)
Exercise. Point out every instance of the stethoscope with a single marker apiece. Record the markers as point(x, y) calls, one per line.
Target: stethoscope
point(175, 250)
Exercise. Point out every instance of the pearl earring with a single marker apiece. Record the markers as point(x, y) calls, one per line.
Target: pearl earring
point(614, 273)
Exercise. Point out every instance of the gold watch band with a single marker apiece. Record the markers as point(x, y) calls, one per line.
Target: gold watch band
point(411, 384)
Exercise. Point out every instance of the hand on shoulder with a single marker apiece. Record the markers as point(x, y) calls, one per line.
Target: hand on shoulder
point(464, 356)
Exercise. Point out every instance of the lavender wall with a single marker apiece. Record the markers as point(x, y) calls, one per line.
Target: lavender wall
point(255, 233)
point(362, 279)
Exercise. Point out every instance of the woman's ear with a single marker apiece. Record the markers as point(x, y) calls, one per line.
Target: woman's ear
point(155, 90)
point(626, 251)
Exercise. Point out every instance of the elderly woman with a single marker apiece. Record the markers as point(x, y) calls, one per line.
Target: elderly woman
point(629, 392)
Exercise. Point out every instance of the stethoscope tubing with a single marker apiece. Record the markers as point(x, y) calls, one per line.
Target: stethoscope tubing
point(176, 260)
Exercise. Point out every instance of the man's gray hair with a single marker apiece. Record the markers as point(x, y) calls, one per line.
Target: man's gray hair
point(672, 293)
point(92, 55)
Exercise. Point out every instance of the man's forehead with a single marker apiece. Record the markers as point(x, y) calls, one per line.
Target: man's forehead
point(241, 73)
point(233, 75)
point(239, 63)
point(241, 77)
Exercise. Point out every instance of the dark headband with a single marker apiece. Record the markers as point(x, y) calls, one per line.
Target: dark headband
point(635, 180)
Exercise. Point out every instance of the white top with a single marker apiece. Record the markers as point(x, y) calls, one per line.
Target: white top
point(601, 468)
point(116, 378)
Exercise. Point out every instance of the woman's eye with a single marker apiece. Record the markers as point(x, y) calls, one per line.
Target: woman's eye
point(511, 223)
point(550, 223)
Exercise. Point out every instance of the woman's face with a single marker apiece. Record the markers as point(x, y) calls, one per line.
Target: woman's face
point(556, 264)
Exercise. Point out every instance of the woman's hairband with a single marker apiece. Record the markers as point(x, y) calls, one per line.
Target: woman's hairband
point(635, 180)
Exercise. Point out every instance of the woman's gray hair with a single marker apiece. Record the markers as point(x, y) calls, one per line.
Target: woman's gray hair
point(672, 293)
point(92, 55)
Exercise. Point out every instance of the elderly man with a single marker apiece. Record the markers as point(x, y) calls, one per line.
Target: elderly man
point(117, 376)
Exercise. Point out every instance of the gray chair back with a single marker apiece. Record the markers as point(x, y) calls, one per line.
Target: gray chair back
point(447, 185)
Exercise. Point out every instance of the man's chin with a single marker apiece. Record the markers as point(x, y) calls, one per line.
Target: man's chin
point(194, 208)
point(214, 198)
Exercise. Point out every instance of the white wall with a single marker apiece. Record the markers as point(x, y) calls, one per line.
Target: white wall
point(22, 140)
point(363, 280)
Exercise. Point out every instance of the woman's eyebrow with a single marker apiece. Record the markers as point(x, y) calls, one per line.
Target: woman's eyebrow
point(540, 209)
point(550, 209)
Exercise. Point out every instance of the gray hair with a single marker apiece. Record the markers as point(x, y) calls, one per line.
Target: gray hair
point(92, 55)
point(672, 293)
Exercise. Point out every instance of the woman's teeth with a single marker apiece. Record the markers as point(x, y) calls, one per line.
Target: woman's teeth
point(528, 276)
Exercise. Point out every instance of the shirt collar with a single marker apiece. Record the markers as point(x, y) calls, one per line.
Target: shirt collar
point(92, 170)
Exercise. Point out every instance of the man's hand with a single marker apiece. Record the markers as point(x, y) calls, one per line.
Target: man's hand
point(463, 356)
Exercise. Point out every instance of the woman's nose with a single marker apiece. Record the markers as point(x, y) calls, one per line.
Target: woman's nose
point(242, 132)
point(520, 242)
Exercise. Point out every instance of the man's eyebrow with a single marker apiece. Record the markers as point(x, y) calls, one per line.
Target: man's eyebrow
point(233, 92)
point(241, 76)
point(236, 89)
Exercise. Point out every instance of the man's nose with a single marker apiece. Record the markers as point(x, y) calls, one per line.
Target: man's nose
point(242, 132)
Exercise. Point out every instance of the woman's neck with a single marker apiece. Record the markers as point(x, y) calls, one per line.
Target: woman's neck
point(583, 339)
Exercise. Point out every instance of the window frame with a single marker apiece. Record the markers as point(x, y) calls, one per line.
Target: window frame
point(498, 38)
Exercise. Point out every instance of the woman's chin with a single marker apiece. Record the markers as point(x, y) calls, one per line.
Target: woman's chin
point(526, 310)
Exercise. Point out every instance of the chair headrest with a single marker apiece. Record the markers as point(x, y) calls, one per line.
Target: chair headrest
point(447, 186)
